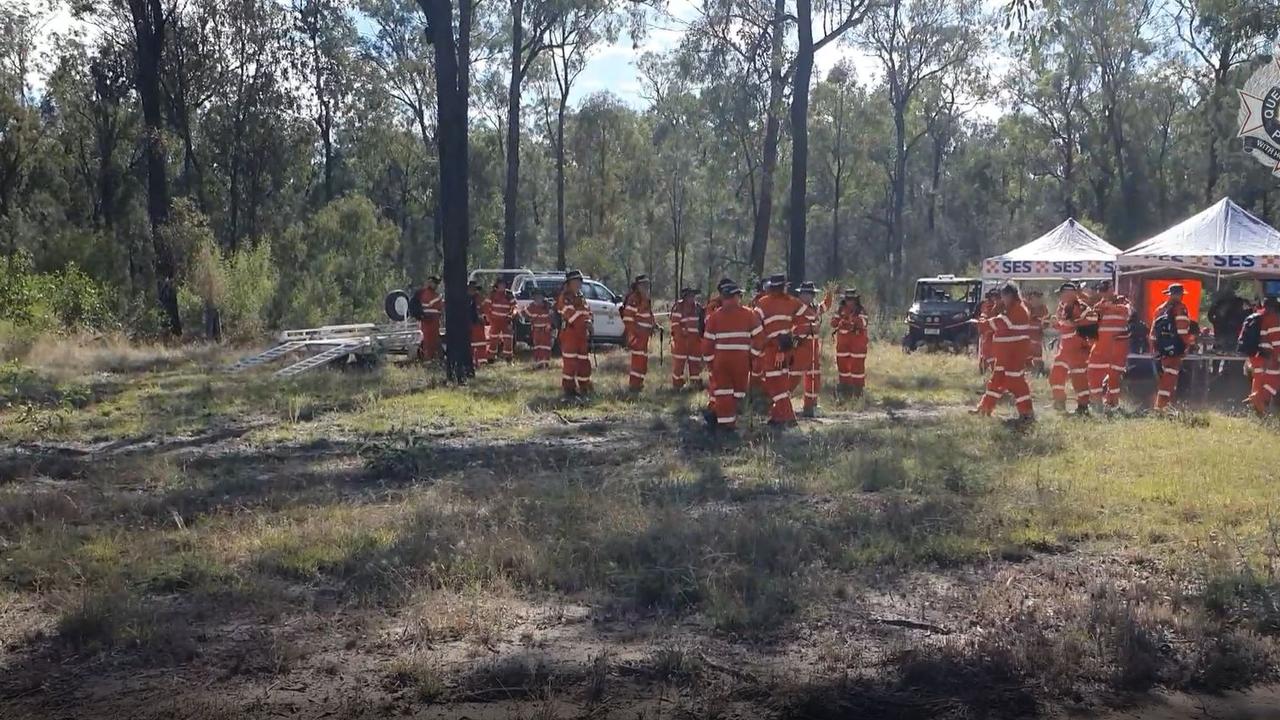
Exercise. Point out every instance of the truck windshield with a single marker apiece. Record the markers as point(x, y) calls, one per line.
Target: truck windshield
point(947, 292)
point(550, 287)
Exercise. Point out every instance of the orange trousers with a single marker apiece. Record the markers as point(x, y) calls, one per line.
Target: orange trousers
point(1071, 363)
point(1107, 362)
point(1265, 384)
point(479, 345)
point(986, 352)
point(1009, 376)
point(429, 348)
point(775, 366)
point(501, 341)
point(730, 377)
point(638, 344)
point(851, 359)
point(1167, 383)
point(686, 360)
point(806, 370)
point(541, 338)
point(575, 358)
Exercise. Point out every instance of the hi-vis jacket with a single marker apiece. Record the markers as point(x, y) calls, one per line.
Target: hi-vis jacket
point(778, 316)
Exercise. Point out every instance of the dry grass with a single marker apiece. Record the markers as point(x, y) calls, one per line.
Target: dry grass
point(1113, 555)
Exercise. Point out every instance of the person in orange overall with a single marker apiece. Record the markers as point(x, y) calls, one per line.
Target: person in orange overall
point(989, 308)
point(1110, 352)
point(778, 314)
point(575, 337)
point(713, 304)
point(686, 341)
point(1039, 320)
point(1072, 359)
point(806, 369)
point(479, 341)
point(432, 304)
point(1264, 365)
point(1011, 340)
point(731, 338)
point(500, 309)
point(757, 370)
point(850, 330)
point(538, 313)
point(1171, 365)
point(638, 324)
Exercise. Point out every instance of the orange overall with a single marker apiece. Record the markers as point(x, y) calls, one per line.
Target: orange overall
point(1039, 317)
point(686, 345)
point(778, 313)
point(538, 313)
point(432, 310)
point(1264, 365)
point(638, 324)
point(732, 337)
point(1010, 340)
point(850, 326)
point(501, 307)
point(1171, 367)
point(806, 368)
point(575, 345)
point(986, 351)
point(479, 342)
point(1110, 353)
point(1072, 359)
point(757, 367)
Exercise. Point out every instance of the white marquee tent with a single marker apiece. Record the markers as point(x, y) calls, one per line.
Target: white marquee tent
point(1223, 239)
point(1069, 251)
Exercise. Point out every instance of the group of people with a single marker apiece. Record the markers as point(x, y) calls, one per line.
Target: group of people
point(1094, 328)
point(771, 344)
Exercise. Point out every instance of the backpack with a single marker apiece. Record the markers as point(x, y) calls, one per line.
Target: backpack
point(1167, 340)
point(1251, 335)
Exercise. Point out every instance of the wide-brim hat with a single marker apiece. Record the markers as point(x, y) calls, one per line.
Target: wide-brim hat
point(730, 289)
point(807, 287)
point(1174, 289)
point(852, 293)
point(641, 279)
point(573, 275)
point(689, 291)
point(723, 282)
point(433, 279)
point(774, 281)
point(1064, 287)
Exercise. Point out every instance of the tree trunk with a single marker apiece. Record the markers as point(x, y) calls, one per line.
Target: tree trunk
point(898, 195)
point(800, 141)
point(149, 30)
point(452, 90)
point(772, 128)
point(561, 242)
point(512, 187)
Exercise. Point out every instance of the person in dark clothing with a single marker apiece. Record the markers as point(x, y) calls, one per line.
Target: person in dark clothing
point(1227, 315)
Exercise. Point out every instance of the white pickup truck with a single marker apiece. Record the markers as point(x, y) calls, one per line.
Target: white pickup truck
point(606, 306)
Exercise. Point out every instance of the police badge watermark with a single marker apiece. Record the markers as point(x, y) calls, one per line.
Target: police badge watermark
point(1260, 115)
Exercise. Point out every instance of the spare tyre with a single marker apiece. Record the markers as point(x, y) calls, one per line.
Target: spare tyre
point(397, 305)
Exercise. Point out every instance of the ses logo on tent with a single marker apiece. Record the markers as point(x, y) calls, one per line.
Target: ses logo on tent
point(1259, 115)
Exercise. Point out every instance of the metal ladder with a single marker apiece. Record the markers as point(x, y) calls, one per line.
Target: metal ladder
point(267, 356)
point(322, 358)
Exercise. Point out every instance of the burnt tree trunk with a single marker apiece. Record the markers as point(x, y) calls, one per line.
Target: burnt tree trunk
point(512, 187)
point(800, 141)
point(149, 27)
point(772, 128)
point(452, 90)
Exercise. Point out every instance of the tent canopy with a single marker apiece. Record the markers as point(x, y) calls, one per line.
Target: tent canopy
point(1070, 250)
point(1221, 238)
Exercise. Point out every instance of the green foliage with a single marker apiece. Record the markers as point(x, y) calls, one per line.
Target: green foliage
point(336, 266)
point(64, 300)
